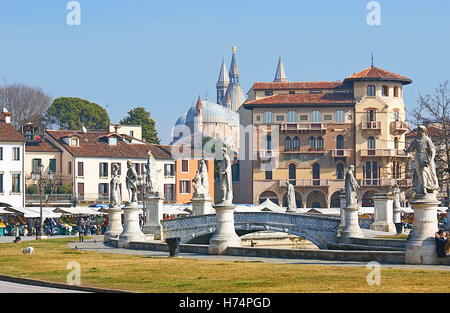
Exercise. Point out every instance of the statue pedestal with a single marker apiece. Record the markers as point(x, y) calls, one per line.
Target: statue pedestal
point(154, 207)
point(342, 203)
point(131, 230)
point(115, 223)
point(421, 247)
point(351, 228)
point(383, 211)
point(201, 205)
point(225, 235)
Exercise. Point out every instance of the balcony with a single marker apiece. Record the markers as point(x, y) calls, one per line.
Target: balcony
point(341, 153)
point(371, 126)
point(303, 127)
point(398, 127)
point(266, 154)
point(305, 182)
point(47, 199)
point(388, 153)
point(385, 182)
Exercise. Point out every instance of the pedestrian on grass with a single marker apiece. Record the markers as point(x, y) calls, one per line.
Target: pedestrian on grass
point(441, 243)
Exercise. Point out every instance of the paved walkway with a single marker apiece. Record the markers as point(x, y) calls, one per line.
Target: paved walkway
point(6, 239)
point(99, 246)
point(9, 287)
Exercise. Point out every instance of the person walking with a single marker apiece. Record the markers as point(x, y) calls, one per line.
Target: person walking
point(81, 228)
point(441, 243)
point(88, 227)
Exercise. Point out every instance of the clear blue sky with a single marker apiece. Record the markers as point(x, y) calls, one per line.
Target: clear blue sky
point(162, 54)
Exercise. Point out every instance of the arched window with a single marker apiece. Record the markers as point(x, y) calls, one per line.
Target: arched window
point(296, 145)
point(340, 171)
point(395, 91)
point(385, 91)
point(396, 143)
point(371, 145)
point(269, 142)
point(292, 117)
point(320, 143)
point(287, 144)
point(292, 173)
point(312, 142)
point(316, 117)
point(339, 117)
point(316, 174)
point(340, 142)
point(268, 117)
point(371, 91)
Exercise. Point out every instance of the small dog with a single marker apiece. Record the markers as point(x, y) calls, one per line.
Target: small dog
point(28, 250)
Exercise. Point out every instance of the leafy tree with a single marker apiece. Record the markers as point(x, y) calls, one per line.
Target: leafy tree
point(74, 113)
point(140, 116)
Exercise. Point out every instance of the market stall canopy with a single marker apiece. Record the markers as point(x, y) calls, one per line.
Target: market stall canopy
point(3, 211)
point(33, 212)
point(268, 205)
point(78, 211)
point(328, 211)
point(177, 209)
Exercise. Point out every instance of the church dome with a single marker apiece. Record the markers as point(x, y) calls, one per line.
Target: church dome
point(213, 113)
point(181, 120)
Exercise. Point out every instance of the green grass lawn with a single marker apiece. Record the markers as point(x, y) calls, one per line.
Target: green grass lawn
point(160, 274)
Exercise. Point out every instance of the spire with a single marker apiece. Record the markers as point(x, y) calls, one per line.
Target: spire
point(280, 75)
point(223, 75)
point(199, 105)
point(234, 70)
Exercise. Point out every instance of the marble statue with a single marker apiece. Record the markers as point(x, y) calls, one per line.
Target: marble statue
point(115, 197)
point(397, 194)
point(292, 204)
point(149, 175)
point(425, 179)
point(200, 181)
point(132, 182)
point(350, 187)
point(225, 177)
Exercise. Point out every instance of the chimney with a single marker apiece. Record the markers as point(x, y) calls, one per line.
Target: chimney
point(7, 117)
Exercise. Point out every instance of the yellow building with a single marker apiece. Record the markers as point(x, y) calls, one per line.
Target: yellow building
point(308, 133)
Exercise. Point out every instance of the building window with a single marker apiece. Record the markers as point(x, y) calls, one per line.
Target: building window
point(339, 117)
point(371, 115)
point(268, 174)
point(185, 186)
point(16, 153)
point(292, 173)
point(396, 143)
point(303, 117)
point(74, 142)
point(103, 169)
point(169, 170)
point(371, 91)
point(385, 91)
point(292, 117)
point(296, 144)
point(131, 133)
point(316, 174)
point(268, 93)
point(280, 117)
point(340, 142)
point(103, 190)
point(395, 91)
point(15, 188)
point(1, 183)
point(396, 116)
point(292, 92)
point(268, 142)
point(268, 117)
point(287, 144)
point(1, 153)
point(169, 192)
point(320, 143)
point(184, 166)
point(327, 117)
point(371, 173)
point(35, 163)
point(69, 167)
point(113, 141)
point(80, 169)
point(316, 117)
point(371, 143)
point(258, 118)
point(340, 171)
point(312, 142)
point(52, 166)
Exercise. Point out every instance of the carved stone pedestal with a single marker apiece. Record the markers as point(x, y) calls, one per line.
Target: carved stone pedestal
point(383, 212)
point(421, 247)
point(351, 228)
point(154, 205)
point(342, 203)
point(115, 223)
point(131, 229)
point(201, 205)
point(225, 235)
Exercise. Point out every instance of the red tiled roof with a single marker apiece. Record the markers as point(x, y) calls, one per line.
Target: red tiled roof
point(296, 85)
point(91, 145)
point(432, 131)
point(8, 133)
point(375, 73)
point(303, 99)
point(41, 146)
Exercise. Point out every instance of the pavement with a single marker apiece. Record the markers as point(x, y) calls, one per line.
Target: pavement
point(9, 287)
point(96, 244)
point(6, 239)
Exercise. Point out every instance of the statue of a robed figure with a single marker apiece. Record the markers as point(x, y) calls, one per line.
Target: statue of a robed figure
point(115, 196)
point(132, 182)
point(351, 185)
point(225, 177)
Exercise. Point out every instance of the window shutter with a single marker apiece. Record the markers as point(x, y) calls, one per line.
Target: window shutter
point(106, 169)
point(100, 169)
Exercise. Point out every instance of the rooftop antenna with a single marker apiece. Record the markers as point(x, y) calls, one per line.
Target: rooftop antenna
point(372, 59)
point(206, 94)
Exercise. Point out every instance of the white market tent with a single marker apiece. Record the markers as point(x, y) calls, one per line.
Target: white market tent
point(34, 212)
point(328, 211)
point(78, 210)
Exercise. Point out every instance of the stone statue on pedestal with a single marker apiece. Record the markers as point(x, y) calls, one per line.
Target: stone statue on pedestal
point(115, 197)
point(350, 187)
point(200, 181)
point(425, 179)
point(132, 182)
point(291, 203)
point(397, 194)
point(225, 177)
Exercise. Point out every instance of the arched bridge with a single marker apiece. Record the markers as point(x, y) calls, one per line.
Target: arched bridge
point(316, 228)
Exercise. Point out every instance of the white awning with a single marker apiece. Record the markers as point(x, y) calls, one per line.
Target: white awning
point(34, 211)
point(78, 211)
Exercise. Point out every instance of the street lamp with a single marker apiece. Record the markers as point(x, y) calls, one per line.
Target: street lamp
point(42, 183)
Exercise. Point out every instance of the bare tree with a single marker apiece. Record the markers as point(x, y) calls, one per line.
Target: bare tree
point(433, 111)
point(26, 104)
